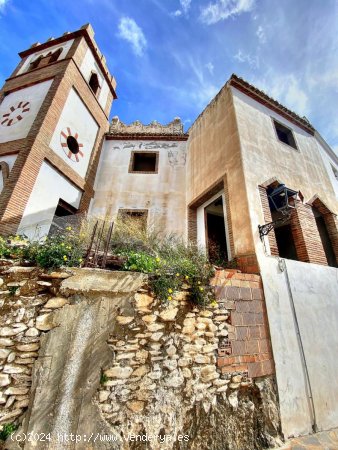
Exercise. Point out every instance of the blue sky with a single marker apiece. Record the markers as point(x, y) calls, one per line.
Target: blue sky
point(170, 57)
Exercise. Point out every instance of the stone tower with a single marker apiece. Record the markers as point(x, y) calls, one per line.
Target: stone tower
point(54, 113)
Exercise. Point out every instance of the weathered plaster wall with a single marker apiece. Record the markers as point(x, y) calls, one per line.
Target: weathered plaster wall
point(75, 120)
point(265, 157)
point(314, 287)
point(330, 160)
point(19, 129)
point(89, 66)
point(49, 187)
point(214, 151)
point(162, 193)
point(314, 290)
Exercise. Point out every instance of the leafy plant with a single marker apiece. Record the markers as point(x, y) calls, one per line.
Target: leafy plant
point(170, 261)
point(7, 430)
point(103, 378)
point(12, 290)
point(61, 249)
point(4, 248)
point(139, 262)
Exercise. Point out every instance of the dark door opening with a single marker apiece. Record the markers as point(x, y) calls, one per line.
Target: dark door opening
point(325, 238)
point(215, 232)
point(61, 216)
point(285, 243)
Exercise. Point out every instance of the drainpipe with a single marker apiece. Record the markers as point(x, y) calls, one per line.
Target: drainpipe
point(283, 268)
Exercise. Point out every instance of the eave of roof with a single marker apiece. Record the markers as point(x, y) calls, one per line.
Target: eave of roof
point(270, 103)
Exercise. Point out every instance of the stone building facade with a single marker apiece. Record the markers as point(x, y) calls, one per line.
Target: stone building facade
point(59, 155)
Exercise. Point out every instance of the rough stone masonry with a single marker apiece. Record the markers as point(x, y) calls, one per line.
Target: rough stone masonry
point(92, 352)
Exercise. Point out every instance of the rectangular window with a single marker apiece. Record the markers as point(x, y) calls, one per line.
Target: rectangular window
point(285, 134)
point(133, 217)
point(143, 162)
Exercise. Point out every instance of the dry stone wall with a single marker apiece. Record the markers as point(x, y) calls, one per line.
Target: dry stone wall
point(27, 297)
point(93, 351)
point(169, 363)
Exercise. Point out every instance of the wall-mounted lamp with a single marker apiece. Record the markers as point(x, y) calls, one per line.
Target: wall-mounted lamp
point(283, 200)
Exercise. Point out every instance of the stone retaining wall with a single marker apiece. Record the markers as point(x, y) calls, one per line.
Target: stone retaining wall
point(170, 358)
point(27, 297)
point(137, 365)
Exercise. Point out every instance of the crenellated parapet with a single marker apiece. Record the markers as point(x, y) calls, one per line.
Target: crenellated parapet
point(174, 128)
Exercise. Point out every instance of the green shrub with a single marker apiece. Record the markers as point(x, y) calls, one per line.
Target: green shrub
point(103, 378)
point(139, 262)
point(16, 247)
point(61, 249)
point(4, 248)
point(7, 430)
point(170, 262)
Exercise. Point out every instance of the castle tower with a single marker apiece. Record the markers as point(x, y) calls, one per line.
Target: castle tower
point(54, 112)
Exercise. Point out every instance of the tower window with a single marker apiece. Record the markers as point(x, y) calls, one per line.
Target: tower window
point(143, 162)
point(94, 83)
point(44, 60)
point(285, 134)
point(55, 56)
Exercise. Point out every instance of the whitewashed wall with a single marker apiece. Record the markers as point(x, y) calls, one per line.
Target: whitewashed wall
point(78, 119)
point(314, 290)
point(330, 160)
point(35, 95)
point(10, 160)
point(65, 48)
point(88, 66)
point(49, 187)
point(162, 194)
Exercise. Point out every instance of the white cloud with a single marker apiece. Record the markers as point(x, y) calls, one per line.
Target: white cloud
point(252, 61)
point(260, 33)
point(2, 4)
point(286, 89)
point(210, 67)
point(132, 33)
point(185, 5)
point(223, 9)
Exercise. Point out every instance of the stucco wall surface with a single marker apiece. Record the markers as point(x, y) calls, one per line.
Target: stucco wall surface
point(214, 151)
point(89, 66)
point(265, 157)
point(162, 193)
point(75, 120)
point(49, 187)
point(19, 129)
point(314, 290)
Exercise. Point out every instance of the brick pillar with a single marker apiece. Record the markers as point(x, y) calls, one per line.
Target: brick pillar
point(228, 217)
point(267, 219)
point(192, 224)
point(331, 222)
point(306, 236)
